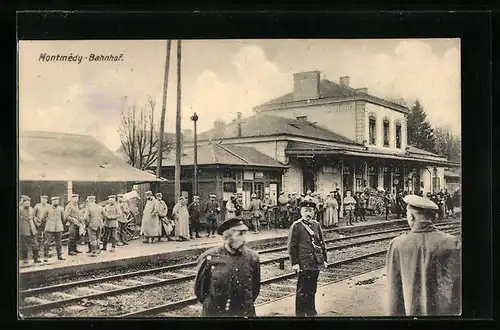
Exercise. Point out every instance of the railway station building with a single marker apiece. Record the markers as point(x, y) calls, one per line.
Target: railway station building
point(326, 135)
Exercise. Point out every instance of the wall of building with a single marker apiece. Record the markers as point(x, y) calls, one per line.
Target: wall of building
point(426, 175)
point(393, 116)
point(328, 179)
point(292, 178)
point(338, 117)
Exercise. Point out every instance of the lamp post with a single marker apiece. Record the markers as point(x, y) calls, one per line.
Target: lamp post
point(194, 118)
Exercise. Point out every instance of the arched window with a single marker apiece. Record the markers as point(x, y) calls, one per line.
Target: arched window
point(386, 132)
point(372, 129)
point(398, 135)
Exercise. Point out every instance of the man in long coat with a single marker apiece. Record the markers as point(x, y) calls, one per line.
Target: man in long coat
point(41, 212)
point(228, 278)
point(162, 216)
point(307, 251)
point(122, 220)
point(27, 229)
point(72, 216)
point(181, 216)
point(212, 211)
point(283, 204)
point(150, 225)
point(95, 221)
point(423, 266)
point(112, 214)
point(194, 210)
point(54, 228)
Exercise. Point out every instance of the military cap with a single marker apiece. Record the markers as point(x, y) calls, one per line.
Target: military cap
point(25, 198)
point(307, 203)
point(235, 223)
point(158, 194)
point(91, 198)
point(119, 195)
point(309, 191)
point(44, 197)
point(148, 193)
point(420, 202)
point(75, 195)
point(55, 198)
point(254, 195)
point(213, 196)
point(112, 196)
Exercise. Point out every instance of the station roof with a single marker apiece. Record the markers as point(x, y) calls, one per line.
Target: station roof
point(263, 125)
point(48, 156)
point(218, 154)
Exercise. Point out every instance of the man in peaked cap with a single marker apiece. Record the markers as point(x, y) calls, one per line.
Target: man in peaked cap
point(255, 208)
point(41, 212)
point(27, 229)
point(162, 215)
point(194, 210)
point(54, 228)
point(122, 221)
point(307, 251)
point(423, 266)
point(212, 211)
point(284, 205)
point(112, 213)
point(233, 270)
point(72, 216)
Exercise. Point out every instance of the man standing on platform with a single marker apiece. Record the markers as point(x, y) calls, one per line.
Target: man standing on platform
point(162, 215)
point(338, 198)
point(424, 266)
point(54, 228)
point(181, 217)
point(212, 211)
point(228, 278)
point(95, 222)
point(27, 229)
point(41, 211)
point(112, 214)
point(284, 205)
point(72, 215)
point(122, 220)
point(150, 225)
point(267, 203)
point(307, 255)
point(255, 208)
point(194, 210)
point(238, 205)
point(349, 202)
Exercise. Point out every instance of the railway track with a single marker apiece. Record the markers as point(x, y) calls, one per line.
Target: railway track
point(117, 295)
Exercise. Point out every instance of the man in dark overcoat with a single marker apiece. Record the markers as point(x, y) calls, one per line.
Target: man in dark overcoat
point(194, 210)
point(228, 278)
point(212, 211)
point(27, 230)
point(424, 266)
point(307, 255)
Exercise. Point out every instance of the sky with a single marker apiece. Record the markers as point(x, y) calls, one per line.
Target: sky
point(223, 77)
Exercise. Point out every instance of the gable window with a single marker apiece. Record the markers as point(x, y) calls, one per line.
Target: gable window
point(386, 133)
point(398, 135)
point(371, 129)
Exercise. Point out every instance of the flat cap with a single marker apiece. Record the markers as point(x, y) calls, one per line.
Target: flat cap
point(420, 202)
point(112, 196)
point(25, 198)
point(196, 196)
point(235, 223)
point(213, 196)
point(75, 195)
point(55, 198)
point(307, 203)
point(44, 197)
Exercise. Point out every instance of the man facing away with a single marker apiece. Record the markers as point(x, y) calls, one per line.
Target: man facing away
point(54, 228)
point(228, 277)
point(423, 266)
point(255, 208)
point(27, 229)
point(112, 214)
point(72, 216)
point(41, 212)
point(283, 203)
point(212, 211)
point(122, 221)
point(307, 251)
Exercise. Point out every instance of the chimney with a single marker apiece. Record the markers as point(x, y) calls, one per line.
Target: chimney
point(238, 121)
point(362, 90)
point(306, 85)
point(344, 81)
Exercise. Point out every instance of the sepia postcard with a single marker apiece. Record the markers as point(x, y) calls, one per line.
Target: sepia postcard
point(239, 178)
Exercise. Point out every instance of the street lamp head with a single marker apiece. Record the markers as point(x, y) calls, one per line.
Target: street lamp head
point(194, 117)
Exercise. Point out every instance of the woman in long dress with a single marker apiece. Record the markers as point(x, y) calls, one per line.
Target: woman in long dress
point(231, 208)
point(181, 216)
point(331, 216)
point(150, 226)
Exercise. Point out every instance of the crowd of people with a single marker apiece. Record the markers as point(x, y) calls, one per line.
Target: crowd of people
point(101, 224)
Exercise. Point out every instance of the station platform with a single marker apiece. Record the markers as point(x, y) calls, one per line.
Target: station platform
point(363, 295)
point(171, 251)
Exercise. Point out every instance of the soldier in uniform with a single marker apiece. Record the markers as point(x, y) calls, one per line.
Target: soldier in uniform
point(95, 222)
point(54, 228)
point(194, 210)
point(255, 208)
point(284, 205)
point(72, 216)
point(27, 229)
point(238, 205)
point(423, 266)
point(267, 203)
point(162, 214)
point(307, 255)
point(122, 220)
point(41, 211)
point(228, 278)
point(212, 210)
point(112, 214)
point(294, 207)
point(84, 219)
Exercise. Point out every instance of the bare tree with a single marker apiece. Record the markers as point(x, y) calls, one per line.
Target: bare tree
point(139, 136)
point(448, 144)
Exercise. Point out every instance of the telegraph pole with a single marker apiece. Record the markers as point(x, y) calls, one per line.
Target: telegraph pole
point(163, 111)
point(178, 126)
point(194, 118)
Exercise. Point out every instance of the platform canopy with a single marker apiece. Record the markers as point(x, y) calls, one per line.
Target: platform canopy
point(47, 156)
